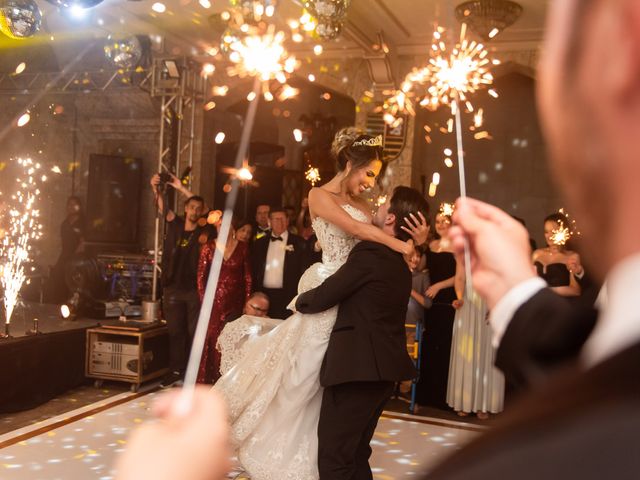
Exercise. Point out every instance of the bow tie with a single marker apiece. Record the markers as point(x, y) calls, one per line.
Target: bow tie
point(275, 239)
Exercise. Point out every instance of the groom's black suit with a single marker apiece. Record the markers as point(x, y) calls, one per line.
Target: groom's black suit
point(366, 355)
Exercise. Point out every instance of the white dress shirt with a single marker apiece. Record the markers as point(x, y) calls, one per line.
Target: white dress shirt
point(618, 325)
point(274, 265)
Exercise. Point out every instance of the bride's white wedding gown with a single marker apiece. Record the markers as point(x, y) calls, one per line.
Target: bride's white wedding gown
point(271, 374)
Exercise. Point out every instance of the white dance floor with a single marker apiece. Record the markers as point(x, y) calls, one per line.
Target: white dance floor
point(83, 444)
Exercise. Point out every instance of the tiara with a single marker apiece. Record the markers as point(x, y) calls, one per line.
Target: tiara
point(369, 142)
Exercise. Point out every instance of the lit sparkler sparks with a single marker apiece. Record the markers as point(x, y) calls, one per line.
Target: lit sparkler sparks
point(312, 175)
point(24, 226)
point(561, 235)
point(446, 209)
point(262, 55)
point(452, 77)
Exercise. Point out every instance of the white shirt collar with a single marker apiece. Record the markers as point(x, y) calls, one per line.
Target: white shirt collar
point(618, 326)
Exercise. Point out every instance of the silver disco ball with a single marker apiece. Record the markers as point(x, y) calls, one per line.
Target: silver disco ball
point(19, 18)
point(328, 29)
point(124, 52)
point(336, 9)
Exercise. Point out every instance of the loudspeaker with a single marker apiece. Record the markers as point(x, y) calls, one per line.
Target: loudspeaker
point(113, 199)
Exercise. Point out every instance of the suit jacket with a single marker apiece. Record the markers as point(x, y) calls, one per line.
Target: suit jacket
point(577, 423)
point(581, 424)
point(295, 262)
point(546, 332)
point(368, 341)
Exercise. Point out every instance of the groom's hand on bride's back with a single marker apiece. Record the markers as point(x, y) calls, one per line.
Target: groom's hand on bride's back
point(189, 443)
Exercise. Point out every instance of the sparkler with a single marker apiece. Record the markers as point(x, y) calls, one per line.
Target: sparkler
point(561, 235)
point(447, 209)
point(450, 77)
point(312, 175)
point(262, 56)
point(24, 226)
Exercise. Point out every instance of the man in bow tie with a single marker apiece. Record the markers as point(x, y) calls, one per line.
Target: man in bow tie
point(278, 261)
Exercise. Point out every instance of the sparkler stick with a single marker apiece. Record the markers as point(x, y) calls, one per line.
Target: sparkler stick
point(214, 274)
point(463, 194)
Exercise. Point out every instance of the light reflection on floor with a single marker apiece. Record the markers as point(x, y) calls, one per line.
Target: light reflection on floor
point(86, 449)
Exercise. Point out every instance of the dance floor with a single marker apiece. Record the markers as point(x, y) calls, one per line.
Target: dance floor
point(82, 445)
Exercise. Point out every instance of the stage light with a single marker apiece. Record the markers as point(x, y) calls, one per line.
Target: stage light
point(297, 134)
point(318, 49)
point(65, 311)
point(159, 7)
point(77, 12)
point(24, 119)
point(220, 137)
point(172, 68)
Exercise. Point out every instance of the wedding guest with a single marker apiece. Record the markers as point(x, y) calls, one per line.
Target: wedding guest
point(303, 222)
point(262, 226)
point(277, 263)
point(431, 389)
point(475, 384)
point(234, 288)
point(244, 231)
point(257, 305)
point(291, 218)
point(551, 262)
point(418, 303)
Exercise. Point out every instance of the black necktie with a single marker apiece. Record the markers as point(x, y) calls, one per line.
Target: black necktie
point(275, 239)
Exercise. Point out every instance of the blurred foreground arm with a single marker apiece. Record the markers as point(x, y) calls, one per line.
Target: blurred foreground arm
point(190, 445)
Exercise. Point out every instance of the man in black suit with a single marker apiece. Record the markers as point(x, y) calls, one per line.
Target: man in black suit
point(277, 263)
point(367, 351)
point(581, 416)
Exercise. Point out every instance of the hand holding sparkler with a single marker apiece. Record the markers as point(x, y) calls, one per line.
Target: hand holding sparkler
point(498, 248)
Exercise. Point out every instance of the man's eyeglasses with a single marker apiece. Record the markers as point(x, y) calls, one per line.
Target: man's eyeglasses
point(258, 308)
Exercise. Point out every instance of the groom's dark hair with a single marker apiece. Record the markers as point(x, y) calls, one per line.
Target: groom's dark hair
point(405, 201)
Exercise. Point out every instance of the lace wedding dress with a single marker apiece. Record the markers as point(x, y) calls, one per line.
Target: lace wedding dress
point(271, 374)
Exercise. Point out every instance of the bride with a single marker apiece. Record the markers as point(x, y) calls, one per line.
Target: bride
point(271, 367)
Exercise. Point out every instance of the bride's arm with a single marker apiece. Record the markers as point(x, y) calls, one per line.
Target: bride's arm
point(322, 205)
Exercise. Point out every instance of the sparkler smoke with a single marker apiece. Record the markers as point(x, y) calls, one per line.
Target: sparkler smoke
point(23, 227)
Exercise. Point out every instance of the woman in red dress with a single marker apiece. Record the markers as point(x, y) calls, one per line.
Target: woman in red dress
point(234, 288)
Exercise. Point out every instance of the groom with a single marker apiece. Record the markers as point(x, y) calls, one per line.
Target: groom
point(367, 351)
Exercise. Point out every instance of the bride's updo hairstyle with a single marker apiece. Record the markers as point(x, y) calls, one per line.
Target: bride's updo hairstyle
point(351, 144)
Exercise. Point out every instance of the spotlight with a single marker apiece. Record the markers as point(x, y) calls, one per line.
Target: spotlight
point(77, 12)
point(70, 309)
point(171, 68)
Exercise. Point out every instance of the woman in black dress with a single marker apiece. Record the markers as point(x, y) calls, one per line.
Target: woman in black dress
point(436, 341)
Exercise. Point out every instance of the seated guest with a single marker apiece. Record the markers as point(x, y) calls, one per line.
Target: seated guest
point(257, 305)
point(234, 287)
point(551, 262)
point(278, 261)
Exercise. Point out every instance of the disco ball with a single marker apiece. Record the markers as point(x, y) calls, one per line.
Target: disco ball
point(124, 53)
point(328, 29)
point(76, 3)
point(19, 18)
point(335, 9)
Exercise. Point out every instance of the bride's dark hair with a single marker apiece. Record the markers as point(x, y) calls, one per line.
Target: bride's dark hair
point(343, 150)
